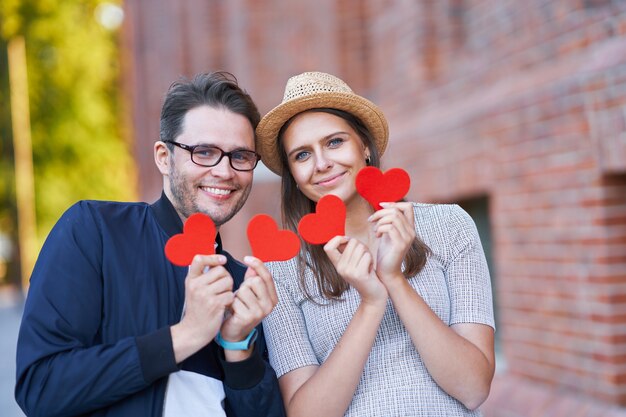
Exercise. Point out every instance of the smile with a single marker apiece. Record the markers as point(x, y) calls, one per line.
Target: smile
point(331, 180)
point(216, 191)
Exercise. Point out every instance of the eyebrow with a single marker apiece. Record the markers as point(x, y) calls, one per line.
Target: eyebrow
point(340, 132)
point(210, 145)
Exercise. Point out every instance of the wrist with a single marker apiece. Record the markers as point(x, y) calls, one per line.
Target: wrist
point(239, 350)
point(243, 344)
point(238, 355)
point(375, 304)
point(393, 281)
point(184, 342)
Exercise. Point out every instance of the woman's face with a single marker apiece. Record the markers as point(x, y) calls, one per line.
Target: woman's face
point(324, 155)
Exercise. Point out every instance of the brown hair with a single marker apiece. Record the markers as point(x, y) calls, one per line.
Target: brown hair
point(295, 205)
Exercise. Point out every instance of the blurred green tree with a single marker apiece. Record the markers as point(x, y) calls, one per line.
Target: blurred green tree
point(79, 149)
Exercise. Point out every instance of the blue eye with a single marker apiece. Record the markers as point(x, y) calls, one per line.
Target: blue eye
point(335, 142)
point(301, 156)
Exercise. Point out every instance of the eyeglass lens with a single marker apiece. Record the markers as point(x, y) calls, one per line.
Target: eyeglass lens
point(210, 156)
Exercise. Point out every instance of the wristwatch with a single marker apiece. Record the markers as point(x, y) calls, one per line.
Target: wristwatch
point(242, 345)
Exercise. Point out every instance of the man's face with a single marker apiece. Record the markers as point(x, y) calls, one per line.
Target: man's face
point(218, 191)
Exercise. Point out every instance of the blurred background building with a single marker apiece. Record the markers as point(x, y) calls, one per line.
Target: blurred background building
point(515, 110)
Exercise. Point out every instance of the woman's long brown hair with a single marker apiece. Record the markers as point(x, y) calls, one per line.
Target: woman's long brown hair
point(295, 205)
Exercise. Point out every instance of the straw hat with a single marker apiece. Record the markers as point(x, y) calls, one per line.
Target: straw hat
point(314, 90)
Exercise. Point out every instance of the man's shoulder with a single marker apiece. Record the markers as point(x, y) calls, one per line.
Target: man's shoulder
point(101, 213)
point(110, 205)
point(102, 208)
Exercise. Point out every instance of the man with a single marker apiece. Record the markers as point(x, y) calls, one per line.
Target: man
point(112, 328)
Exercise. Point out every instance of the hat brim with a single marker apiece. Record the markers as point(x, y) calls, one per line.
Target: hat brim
point(269, 126)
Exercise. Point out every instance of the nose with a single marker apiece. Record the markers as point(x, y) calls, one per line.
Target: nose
point(322, 163)
point(223, 169)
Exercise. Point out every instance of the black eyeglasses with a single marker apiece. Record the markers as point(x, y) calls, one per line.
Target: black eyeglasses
point(209, 156)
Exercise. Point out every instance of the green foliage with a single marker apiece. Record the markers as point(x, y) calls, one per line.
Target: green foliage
point(73, 71)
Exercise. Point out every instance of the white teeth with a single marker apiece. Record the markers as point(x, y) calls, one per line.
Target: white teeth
point(217, 191)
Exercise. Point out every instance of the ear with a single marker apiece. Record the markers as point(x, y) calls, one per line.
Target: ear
point(162, 157)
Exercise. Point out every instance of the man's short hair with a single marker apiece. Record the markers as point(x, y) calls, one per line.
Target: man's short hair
point(215, 89)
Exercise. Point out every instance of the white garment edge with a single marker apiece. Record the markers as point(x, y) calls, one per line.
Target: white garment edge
point(191, 394)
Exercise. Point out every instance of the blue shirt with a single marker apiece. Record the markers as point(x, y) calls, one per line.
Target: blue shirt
point(95, 335)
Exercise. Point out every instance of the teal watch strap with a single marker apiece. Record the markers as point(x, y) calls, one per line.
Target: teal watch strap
point(243, 345)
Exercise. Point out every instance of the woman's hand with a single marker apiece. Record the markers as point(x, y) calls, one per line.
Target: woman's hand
point(394, 228)
point(354, 263)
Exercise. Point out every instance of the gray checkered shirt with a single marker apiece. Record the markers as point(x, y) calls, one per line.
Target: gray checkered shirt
point(454, 283)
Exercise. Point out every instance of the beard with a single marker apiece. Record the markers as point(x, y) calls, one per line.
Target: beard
point(185, 199)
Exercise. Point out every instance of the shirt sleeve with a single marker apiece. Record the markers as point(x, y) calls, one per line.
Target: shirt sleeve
point(251, 386)
point(63, 368)
point(285, 327)
point(466, 272)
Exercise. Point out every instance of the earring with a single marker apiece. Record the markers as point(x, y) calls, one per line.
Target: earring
point(367, 160)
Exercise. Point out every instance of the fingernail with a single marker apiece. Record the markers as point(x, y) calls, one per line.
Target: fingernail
point(248, 259)
point(386, 204)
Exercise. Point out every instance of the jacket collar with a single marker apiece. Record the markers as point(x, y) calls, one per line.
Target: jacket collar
point(170, 221)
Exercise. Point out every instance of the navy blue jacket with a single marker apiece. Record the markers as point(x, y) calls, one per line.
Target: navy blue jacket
point(95, 335)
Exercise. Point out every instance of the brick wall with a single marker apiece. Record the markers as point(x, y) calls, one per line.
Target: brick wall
point(521, 102)
point(527, 107)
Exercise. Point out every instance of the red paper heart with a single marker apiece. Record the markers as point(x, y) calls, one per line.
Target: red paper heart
point(270, 244)
point(376, 187)
point(198, 237)
point(328, 221)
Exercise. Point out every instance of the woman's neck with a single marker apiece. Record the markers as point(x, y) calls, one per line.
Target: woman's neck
point(357, 226)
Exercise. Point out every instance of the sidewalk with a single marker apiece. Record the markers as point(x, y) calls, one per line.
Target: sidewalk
point(10, 316)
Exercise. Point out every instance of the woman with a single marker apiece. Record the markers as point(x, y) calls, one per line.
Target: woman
point(393, 319)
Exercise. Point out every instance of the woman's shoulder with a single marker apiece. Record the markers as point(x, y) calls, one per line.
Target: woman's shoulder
point(282, 271)
point(443, 226)
point(440, 213)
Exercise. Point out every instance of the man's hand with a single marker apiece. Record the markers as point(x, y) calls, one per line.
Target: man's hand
point(254, 300)
point(207, 295)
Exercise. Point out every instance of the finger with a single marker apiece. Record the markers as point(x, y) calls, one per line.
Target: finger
point(245, 317)
point(332, 248)
point(406, 208)
point(246, 297)
point(337, 242)
point(264, 293)
point(248, 308)
point(206, 279)
point(226, 298)
point(257, 297)
point(223, 284)
point(398, 218)
point(379, 214)
point(355, 253)
point(214, 274)
point(199, 262)
point(390, 230)
point(402, 205)
point(258, 267)
point(397, 222)
point(365, 263)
